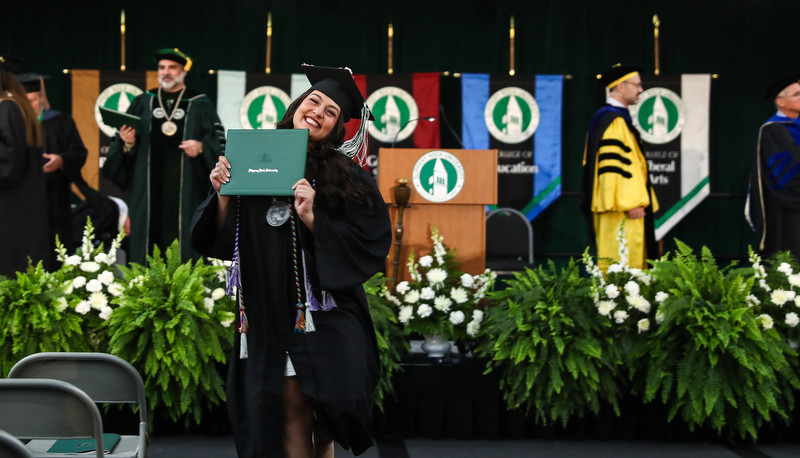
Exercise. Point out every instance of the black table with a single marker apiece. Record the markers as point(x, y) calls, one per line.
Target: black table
point(446, 397)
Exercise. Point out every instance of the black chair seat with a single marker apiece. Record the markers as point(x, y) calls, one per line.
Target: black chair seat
point(509, 241)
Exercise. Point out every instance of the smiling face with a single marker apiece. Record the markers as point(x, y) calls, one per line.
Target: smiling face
point(170, 75)
point(318, 113)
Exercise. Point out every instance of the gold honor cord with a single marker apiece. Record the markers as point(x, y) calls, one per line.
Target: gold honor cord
point(122, 40)
point(390, 33)
point(656, 24)
point(268, 69)
point(511, 35)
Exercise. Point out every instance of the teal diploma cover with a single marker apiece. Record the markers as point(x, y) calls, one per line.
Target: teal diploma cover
point(118, 119)
point(265, 162)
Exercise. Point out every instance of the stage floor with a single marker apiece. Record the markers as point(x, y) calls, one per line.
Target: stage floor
point(191, 446)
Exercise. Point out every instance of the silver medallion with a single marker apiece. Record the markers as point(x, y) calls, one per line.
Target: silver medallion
point(158, 113)
point(278, 213)
point(169, 128)
point(178, 114)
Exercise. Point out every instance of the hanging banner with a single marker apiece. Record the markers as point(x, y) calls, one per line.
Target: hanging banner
point(111, 89)
point(521, 118)
point(398, 103)
point(672, 117)
point(256, 100)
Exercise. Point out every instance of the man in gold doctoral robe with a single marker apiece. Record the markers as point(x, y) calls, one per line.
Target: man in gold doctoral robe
point(616, 187)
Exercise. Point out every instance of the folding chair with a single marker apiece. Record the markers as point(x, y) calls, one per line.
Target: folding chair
point(46, 410)
point(509, 241)
point(11, 447)
point(104, 378)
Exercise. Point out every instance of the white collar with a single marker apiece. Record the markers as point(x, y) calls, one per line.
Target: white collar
point(614, 102)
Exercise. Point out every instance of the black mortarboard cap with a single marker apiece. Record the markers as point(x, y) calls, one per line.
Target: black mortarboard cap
point(780, 84)
point(175, 55)
point(10, 63)
point(339, 85)
point(32, 82)
point(616, 74)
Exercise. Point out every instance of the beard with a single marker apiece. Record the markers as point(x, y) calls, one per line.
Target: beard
point(172, 83)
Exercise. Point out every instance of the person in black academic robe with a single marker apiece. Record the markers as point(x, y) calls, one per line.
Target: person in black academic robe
point(64, 156)
point(775, 192)
point(301, 380)
point(24, 222)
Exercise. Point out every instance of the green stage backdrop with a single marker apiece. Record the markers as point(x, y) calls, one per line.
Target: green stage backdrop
point(745, 42)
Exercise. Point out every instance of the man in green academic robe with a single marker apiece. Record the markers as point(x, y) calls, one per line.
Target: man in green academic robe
point(164, 166)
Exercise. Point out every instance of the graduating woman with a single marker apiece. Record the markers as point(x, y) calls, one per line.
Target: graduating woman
point(305, 363)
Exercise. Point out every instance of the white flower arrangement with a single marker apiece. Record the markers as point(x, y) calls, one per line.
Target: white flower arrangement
point(89, 282)
point(622, 290)
point(760, 271)
point(87, 276)
point(778, 290)
point(439, 299)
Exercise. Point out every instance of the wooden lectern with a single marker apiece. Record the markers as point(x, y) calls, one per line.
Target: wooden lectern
point(460, 214)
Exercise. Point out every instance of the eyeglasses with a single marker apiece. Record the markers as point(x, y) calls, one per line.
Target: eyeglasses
point(639, 84)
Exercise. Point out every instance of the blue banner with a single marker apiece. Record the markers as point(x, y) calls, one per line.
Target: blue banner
point(521, 118)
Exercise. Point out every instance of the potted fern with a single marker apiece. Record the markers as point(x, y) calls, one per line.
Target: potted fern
point(391, 344)
point(715, 361)
point(556, 357)
point(35, 317)
point(171, 322)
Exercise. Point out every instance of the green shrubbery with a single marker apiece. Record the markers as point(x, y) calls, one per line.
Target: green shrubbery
point(716, 346)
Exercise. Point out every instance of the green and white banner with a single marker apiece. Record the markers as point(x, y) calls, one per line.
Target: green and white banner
point(672, 117)
point(256, 100)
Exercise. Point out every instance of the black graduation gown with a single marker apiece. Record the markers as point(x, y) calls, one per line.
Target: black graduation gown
point(60, 136)
point(24, 226)
point(337, 365)
point(778, 189)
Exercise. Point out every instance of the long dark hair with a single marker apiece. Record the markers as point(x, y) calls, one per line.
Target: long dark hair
point(11, 89)
point(327, 169)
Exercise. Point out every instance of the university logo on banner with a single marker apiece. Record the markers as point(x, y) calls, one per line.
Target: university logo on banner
point(659, 115)
point(256, 100)
point(672, 118)
point(116, 97)
point(262, 107)
point(393, 108)
point(512, 115)
point(521, 118)
point(398, 102)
